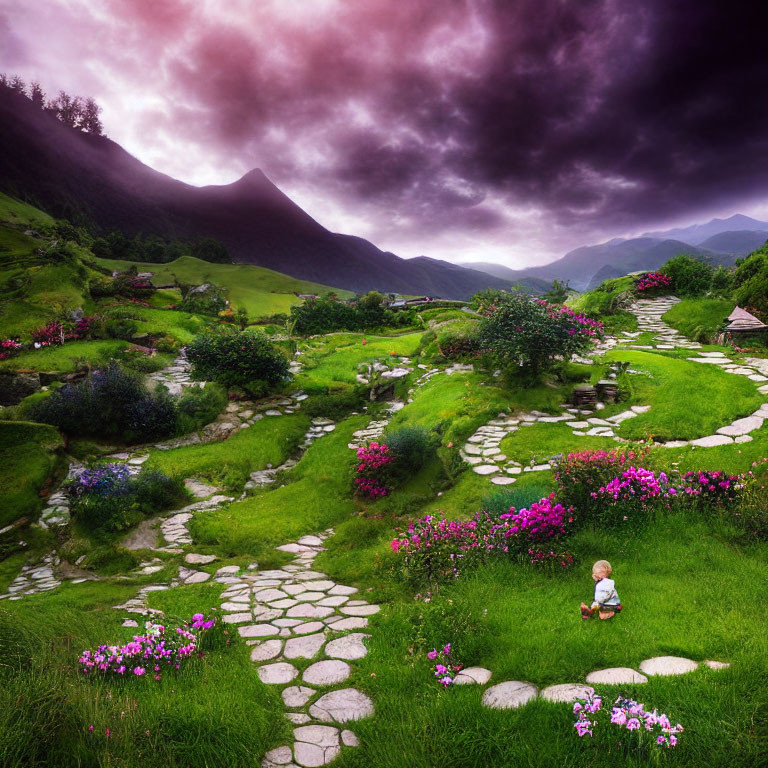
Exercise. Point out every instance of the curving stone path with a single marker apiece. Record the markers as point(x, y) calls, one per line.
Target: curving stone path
point(291, 616)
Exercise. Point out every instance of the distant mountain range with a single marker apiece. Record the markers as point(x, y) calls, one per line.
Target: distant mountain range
point(92, 179)
point(719, 241)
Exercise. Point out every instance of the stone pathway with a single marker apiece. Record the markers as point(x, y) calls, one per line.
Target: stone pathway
point(649, 313)
point(514, 693)
point(292, 615)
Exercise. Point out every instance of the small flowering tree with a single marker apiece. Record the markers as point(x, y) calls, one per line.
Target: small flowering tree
point(648, 727)
point(527, 337)
point(444, 669)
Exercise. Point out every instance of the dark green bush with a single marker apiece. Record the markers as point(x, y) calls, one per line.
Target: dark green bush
point(110, 404)
point(690, 276)
point(155, 491)
point(412, 447)
point(235, 358)
point(327, 314)
point(198, 406)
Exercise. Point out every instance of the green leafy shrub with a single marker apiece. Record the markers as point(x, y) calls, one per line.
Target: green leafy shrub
point(235, 358)
point(690, 276)
point(111, 404)
point(528, 337)
point(750, 281)
point(198, 406)
point(458, 341)
point(327, 314)
point(206, 299)
point(120, 328)
point(156, 491)
point(412, 448)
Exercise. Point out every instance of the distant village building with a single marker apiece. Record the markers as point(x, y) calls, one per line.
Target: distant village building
point(306, 296)
point(741, 321)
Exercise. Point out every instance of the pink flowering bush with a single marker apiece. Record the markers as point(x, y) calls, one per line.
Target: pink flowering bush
point(50, 335)
point(632, 496)
point(579, 474)
point(444, 669)
point(710, 488)
point(652, 281)
point(10, 348)
point(646, 727)
point(372, 477)
point(434, 549)
point(156, 650)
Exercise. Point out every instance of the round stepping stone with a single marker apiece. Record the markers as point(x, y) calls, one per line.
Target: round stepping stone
point(328, 672)
point(717, 664)
point(615, 676)
point(279, 673)
point(503, 480)
point(305, 647)
point(309, 611)
point(349, 739)
point(509, 695)
point(342, 706)
point(311, 756)
point(349, 647)
point(310, 541)
point(297, 696)
point(193, 559)
point(266, 650)
point(360, 610)
point(298, 718)
point(566, 692)
point(667, 665)
point(470, 675)
point(485, 469)
point(277, 756)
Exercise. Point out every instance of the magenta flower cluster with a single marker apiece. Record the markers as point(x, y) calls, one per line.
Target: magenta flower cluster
point(580, 324)
point(50, 335)
point(9, 348)
point(370, 481)
point(444, 669)
point(636, 483)
point(155, 650)
point(628, 714)
point(652, 280)
point(713, 487)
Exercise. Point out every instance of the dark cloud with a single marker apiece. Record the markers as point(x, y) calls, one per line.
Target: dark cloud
point(533, 124)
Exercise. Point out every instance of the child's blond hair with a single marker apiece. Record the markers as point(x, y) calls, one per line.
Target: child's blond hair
point(602, 565)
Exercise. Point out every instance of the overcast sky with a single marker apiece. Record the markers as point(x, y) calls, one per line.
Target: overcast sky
point(472, 130)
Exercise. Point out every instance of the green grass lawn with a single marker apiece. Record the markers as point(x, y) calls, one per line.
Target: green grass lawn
point(29, 454)
point(699, 318)
point(228, 463)
point(67, 357)
point(261, 291)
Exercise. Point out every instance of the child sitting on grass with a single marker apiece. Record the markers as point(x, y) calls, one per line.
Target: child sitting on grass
point(606, 602)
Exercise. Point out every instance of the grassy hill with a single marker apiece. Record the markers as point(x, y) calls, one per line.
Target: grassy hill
point(261, 291)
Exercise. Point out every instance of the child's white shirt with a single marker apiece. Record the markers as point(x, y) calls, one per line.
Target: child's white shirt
point(605, 593)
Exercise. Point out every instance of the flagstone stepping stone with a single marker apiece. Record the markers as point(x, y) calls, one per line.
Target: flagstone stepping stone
point(278, 673)
point(471, 675)
point(485, 469)
point(743, 439)
point(304, 647)
point(257, 630)
point(340, 589)
point(473, 450)
point(578, 424)
point(509, 695)
point(287, 602)
point(566, 692)
point(667, 665)
point(315, 745)
point(349, 647)
point(233, 606)
point(503, 480)
point(711, 441)
point(287, 622)
point(298, 718)
point(360, 610)
point(742, 426)
point(342, 706)
point(334, 600)
point(327, 672)
point(717, 664)
point(265, 614)
point(297, 695)
point(193, 559)
point(228, 570)
point(309, 611)
point(615, 676)
point(322, 585)
point(307, 627)
point(310, 541)
point(309, 597)
point(130, 623)
point(640, 408)
point(294, 589)
point(266, 650)
point(352, 622)
point(278, 756)
point(237, 618)
point(197, 577)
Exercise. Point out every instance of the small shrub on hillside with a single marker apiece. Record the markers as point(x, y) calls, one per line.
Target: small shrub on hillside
point(10, 348)
point(458, 342)
point(412, 448)
point(120, 327)
point(156, 491)
point(50, 335)
point(631, 497)
point(235, 358)
point(528, 337)
point(327, 314)
point(111, 404)
point(689, 276)
point(207, 299)
point(372, 470)
point(198, 406)
point(709, 489)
